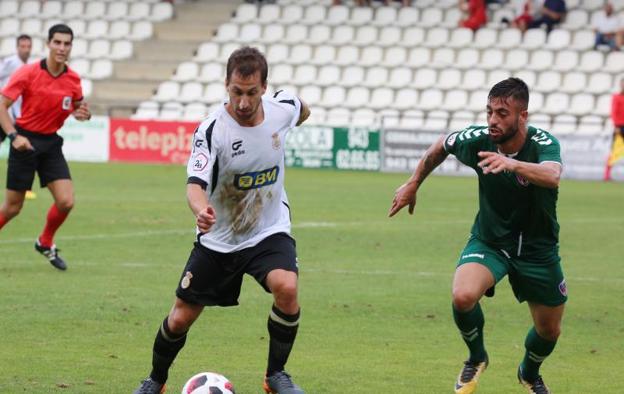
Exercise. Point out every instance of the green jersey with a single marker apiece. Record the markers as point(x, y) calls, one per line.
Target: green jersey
point(514, 215)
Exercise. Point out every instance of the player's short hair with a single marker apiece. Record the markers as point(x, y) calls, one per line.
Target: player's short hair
point(247, 61)
point(23, 37)
point(511, 87)
point(60, 28)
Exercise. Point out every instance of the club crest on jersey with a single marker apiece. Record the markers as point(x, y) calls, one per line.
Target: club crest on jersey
point(236, 148)
point(256, 179)
point(67, 100)
point(186, 281)
point(522, 180)
point(563, 288)
point(276, 141)
point(200, 162)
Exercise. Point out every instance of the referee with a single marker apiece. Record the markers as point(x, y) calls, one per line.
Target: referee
point(50, 91)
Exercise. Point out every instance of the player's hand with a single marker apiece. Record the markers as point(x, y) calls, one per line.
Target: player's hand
point(22, 143)
point(404, 195)
point(494, 163)
point(82, 113)
point(205, 219)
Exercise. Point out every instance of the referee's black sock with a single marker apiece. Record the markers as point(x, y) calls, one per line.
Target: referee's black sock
point(282, 333)
point(166, 348)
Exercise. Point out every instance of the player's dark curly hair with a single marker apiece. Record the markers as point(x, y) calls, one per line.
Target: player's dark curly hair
point(511, 87)
point(247, 61)
point(60, 28)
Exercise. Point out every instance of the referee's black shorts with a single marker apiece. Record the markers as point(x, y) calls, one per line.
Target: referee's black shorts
point(211, 278)
point(46, 160)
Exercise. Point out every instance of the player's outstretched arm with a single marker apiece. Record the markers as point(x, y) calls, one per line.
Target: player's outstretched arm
point(203, 211)
point(406, 193)
point(305, 112)
point(546, 174)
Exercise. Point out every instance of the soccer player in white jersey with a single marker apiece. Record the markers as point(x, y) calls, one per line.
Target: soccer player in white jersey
point(236, 191)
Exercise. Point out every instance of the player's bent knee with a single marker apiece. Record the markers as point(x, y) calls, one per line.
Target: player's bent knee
point(550, 332)
point(65, 205)
point(464, 300)
point(12, 210)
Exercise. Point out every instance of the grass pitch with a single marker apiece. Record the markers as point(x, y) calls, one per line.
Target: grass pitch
point(375, 292)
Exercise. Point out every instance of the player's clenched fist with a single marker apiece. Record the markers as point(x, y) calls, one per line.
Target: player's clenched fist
point(205, 219)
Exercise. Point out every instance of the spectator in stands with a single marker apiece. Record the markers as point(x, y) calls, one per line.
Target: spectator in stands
point(476, 15)
point(551, 13)
point(608, 28)
point(405, 3)
point(7, 67)
point(525, 11)
point(51, 92)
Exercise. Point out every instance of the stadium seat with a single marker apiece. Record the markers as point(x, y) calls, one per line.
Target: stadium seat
point(407, 16)
point(593, 5)
point(547, 81)
point(460, 120)
point(477, 101)
point(314, 15)
point(337, 117)
point(436, 37)
point(167, 91)
point(138, 11)
point(342, 35)
point(317, 117)
point(455, 100)
point(412, 119)
point(291, 14)
point(536, 102)
point(361, 16)
point(541, 121)
point(171, 111)
point(365, 35)
point(419, 57)
point(146, 110)
point(603, 105)
point(328, 75)
point(277, 53)
point(51, 9)
point(556, 103)
point(385, 16)
point(79, 48)
point(509, 39)
point(333, 96)
point(389, 118)
point(29, 8)
point(207, 51)
point(190, 91)
point(101, 69)
point(119, 29)
point(452, 16)
point(467, 58)
point(590, 124)
point(405, 99)
point(533, 39)
point(371, 56)
point(81, 66)
point(485, 38)
point(117, 10)
point(394, 57)
point(430, 99)
point(245, 13)
point(599, 83)
point(495, 76)
point(425, 78)
point(473, 79)
point(400, 77)
point(415, 36)
point(186, 71)
point(337, 15)
point(460, 38)
point(281, 73)
point(87, 87)
point(529, 77)
point(563, 124)
point(558, 39)
point(272, 33)
point(305, 74)
point(381, 97)
point(121, 49)
point(576, 19)
point(566, 60)
point(591, 61)
point(583, 40)
point(194, 112)
point(573, 82)
point(249, 33)
point(390, 36)
point(96, 29)
point(73, 9)
point(581, 104)
point(492, 58)
point(94, 10)
point(347, 55)
point(8, 8)
point(376, 77)
point(214, 93)
point(431, 17)
point(311, 94)
point(227, 32)
point(352, 76)
point(614, 62)
point(357, 97)
point(318, 34)
point(296, 34)
point(99, 49)
point(436, 120)
point(541, 59)
point(449, 79)
point(443, 57)
point(269, 14)
point(32, 27)
point(299, 54)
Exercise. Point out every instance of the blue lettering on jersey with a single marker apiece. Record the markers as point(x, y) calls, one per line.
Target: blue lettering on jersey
point(257, 179)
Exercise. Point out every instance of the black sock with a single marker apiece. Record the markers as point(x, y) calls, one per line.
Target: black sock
point(166, 348)
point(282, 333)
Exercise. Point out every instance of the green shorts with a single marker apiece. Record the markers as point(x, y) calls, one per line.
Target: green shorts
point(533, 282)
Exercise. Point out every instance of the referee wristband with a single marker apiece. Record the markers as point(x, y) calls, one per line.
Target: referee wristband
point(12, 136)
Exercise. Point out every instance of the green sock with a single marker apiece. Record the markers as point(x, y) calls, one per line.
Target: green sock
point(470, 326)
point(537, 349)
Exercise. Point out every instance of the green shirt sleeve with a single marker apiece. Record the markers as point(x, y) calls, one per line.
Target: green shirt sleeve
point(465, 144)
point(548, 147)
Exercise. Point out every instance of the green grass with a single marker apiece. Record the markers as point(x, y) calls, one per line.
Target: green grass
point(375, 292)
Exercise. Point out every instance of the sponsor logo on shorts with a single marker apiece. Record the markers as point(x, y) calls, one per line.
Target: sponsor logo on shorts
point(470, 255)
point(257, 179)
point(186, 281)
point(67, 100)
point(563, 288)
point(200, 162)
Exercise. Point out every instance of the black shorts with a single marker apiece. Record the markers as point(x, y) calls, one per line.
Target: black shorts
point(211, 278)
point(620, 129)
point(46, 160)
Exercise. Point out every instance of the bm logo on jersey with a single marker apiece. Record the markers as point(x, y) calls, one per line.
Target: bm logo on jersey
point(257, 179)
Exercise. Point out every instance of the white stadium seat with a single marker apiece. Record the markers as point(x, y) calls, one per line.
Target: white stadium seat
point(408, 16)
point(296, 34)
point(614, 62)
point(540, 120)
point(141, 30)
point(32, 27)
point(436, 37)
point(310, 94)
point(443, 57)
point(590, 124)
point(279, 74)
point(467, 58)
point(245, 13)
point(191, 91)
point(119, 29)
point(495, 76)
point(556, 103)
point(460, 38)
point(51, 9)
point(405, 99)
point(292, 13)
point(207, 51)
point(333, 96)
point(361, 16)
point(269, 14)
point(121, 49)
point(566, 60)
point(357, 97)
point(599, 83)
point(558, 39)
point(548, 81)
point(194, 112)
point(430, 99)
point(385, 16)
point(576, 19)
point(509, 38)
point(337, 15)
point(371, 56)
point(337, 117)
point(94, 10)
point(381, 98)
point(277, 53)
point(394, 57)
point(99, 49)
point(305, 74)
point(186, 71)
point(347, 54)
point(449, 79)
point(583, 40)
point(318, 34)
point(529, 77)
point(477, 101)
point(29, 8)
point(485, 38)
point(563, 124)
point(400, 77)
point(167, 91)
point(376, 77)
point(415, 36)
point(171, 111)
point(214, 93)
point(573, 82)
point(425, 78)
point(581, 104)
point(536, 102)
point(541, 59)
point(431, 17)
point(533, 39)
point(460, 120)
point(342, 35)
point(352, 76)
point(8, 8)
point(299, 54)
point(390, 36)
point(365, 35)
point(101, 69)
point(226, 32)
point(81, 66)
point(249, 33)
point(419, 57)
point(455, 100)
point(436, 120)
point(146, 110)
point(314, 15)
point(473, 79)
point(117, 10)
point(328, 75)
point(492, 58)
point(73, 9)
point(413, 119)
point(96, 29)
point(138, 11)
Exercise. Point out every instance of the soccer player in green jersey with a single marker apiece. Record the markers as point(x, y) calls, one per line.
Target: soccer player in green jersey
point(515, 232)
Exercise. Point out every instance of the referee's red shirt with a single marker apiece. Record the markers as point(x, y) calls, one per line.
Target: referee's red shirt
point(46, 101)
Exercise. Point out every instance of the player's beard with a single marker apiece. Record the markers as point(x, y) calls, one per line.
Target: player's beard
point(505, 135)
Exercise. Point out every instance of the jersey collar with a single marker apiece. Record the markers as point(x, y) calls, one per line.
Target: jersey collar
point(44, 66)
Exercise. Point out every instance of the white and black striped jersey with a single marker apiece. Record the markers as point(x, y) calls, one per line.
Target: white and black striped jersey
point(242, 170)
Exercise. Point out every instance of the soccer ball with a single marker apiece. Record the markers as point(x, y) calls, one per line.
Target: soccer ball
point(208, 383)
